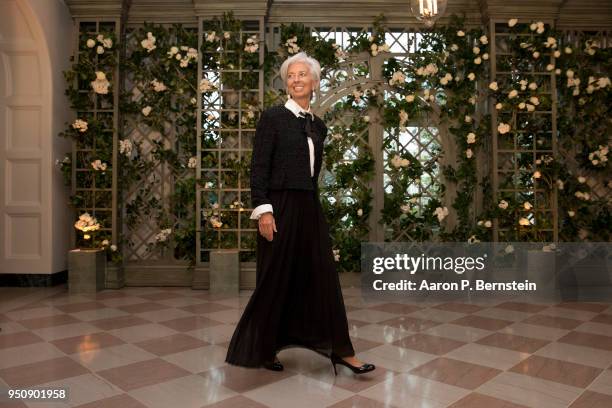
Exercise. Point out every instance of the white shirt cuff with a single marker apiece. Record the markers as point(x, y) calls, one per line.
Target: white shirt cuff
point(260, 209)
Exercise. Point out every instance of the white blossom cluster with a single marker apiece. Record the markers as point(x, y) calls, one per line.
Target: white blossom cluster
point(87, 223)
point(66, 160)
point(146, 110)
point(101, 84)
point(397, 78)
point(397, 161)
point(291, 44)
point(102, 41)
point(252, 44)
point(429, 70)
point(600, 156)
point(485, 223)
point(158, 86)
point(590, 46)
point(125, 147)
point(80, 125)
point(441, 213)
point(191, 55)
point(99, 165)
point(403, 118)
point(149, 42)
point(503, 128)
point(538, 27)
point(375, 49)
point(249, 114)
point(163, 235)
point(193, 162)
point(595, 84)
point(336, 253)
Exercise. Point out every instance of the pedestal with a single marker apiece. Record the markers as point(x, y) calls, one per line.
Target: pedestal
point(86, 269)
point(224, 272)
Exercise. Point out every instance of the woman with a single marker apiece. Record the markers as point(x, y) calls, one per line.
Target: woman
point(297, 300)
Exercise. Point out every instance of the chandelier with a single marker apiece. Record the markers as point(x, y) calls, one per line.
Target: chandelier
point(428, 11)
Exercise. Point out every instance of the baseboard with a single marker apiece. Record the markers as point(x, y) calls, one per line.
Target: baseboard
point(33, 280)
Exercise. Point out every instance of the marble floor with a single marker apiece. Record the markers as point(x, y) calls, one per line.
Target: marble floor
point(165, 347)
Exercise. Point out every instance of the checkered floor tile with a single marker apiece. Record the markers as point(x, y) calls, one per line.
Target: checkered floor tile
point(162, 347)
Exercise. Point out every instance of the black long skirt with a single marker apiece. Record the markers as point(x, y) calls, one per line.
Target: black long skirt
point(297, 300)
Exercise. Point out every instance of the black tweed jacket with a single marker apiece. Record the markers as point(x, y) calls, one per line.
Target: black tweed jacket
point(281, 159)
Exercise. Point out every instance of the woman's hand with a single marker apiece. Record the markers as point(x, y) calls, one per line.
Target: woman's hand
point(267, 226)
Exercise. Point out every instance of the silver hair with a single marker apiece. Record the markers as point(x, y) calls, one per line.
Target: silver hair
point(313, 66)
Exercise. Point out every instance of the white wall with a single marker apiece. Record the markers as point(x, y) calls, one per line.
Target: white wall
point(35, 46)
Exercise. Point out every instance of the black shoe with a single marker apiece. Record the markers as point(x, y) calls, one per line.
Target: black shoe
point(274, 365)
point(365, 368)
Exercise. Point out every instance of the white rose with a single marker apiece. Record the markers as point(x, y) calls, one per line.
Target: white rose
point(477, 61)
point(471, 138)
point(582, 179)
point(468, 119)
point(409, 98)
point(550, 67)
point(469, 153)
point(484, 39)
point(524, 222)
point(493, 86)
point(488, 223)
point(441, 213)
point(568, 50)
point(100, 75)
point(557, 54)
point(512, 22)
point(146, 110)
point(533, 86)
point(537, 174)
point(91, 43)
point(113, 247)
point(527, 205)
point(485, 56)
point(498, 106)
point(460, 33)
point(366, 118)
point(360, 212)
point(503, 204)
point(513, 94)
point(536, 55)
point(503, 128)
point(471, 76)
point(476, 50)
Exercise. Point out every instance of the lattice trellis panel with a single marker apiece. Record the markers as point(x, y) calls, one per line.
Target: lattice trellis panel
point(94, 190)
point(599, 183)
point(516, 155)
point(156, 187)
point(227, 116)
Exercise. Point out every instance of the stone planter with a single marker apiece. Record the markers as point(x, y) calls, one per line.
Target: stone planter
point(86, 270)
point(115, 276)
point(224, 272)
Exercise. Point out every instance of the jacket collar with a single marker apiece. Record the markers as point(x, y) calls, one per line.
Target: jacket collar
point(294, 107)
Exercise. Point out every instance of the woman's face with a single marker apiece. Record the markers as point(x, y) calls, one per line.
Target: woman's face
point(300, 83)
